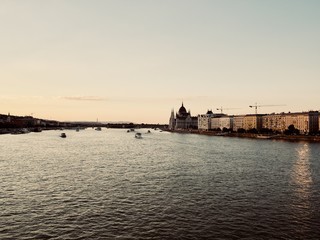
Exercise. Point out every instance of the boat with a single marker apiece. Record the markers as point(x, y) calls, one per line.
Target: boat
point(63, 135)
point(138, 135)
point(222, 134)
point(98, 128)
point(25, 130)
point(21, 131)
point(37, 129)
point(263, 136)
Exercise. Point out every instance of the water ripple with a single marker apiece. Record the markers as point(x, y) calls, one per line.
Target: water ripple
point(107, 185)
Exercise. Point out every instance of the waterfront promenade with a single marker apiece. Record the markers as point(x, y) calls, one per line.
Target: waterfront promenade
point(308, 138)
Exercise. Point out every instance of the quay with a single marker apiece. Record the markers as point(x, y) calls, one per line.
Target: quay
point(293, 138)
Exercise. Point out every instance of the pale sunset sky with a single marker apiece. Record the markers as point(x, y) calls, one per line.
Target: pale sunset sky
point(136, 60)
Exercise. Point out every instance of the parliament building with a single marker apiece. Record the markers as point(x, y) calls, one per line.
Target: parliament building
point(182, 120)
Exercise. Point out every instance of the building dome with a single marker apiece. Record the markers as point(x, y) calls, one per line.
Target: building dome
point(209, 112)
point(182, 110)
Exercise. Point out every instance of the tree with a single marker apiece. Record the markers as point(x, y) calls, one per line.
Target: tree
point(253, 130)
point(225, 129)
point(291, 130)
point(241, 130)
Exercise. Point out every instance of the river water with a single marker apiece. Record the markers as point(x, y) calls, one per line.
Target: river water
point(108, 185)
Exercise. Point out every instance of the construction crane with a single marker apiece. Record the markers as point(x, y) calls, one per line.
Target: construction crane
point(256, 106)
point(221, 109)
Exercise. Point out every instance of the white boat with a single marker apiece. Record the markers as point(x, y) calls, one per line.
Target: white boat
point(25, 130)
point(221, 133)
point(63, 135)
point(138, 135)
point(263, 136)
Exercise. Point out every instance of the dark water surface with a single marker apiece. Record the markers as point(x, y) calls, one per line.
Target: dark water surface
point(109, 185)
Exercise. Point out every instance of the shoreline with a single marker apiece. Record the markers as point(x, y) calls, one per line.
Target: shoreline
point(282, 137)
point(26, 130)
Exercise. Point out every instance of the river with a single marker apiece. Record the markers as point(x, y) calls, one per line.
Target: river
point(108, 185)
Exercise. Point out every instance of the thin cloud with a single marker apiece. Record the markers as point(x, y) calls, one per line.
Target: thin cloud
point(84, 98)
point(194, 98)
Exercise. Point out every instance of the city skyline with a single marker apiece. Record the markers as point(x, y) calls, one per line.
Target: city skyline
point(136, 61)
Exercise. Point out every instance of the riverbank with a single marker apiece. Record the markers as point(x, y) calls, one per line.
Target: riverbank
point(307, 138)
point(27, 130)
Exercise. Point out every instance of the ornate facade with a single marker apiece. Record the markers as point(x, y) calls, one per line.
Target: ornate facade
point(182, 120)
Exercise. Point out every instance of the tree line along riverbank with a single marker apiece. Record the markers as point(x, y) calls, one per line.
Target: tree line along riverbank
point(24, 124)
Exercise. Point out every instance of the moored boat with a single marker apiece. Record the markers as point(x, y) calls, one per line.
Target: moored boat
point(63, 135)
point(138, 135)
point(263, 136)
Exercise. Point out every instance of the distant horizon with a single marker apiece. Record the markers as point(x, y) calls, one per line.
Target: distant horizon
point(162, 123)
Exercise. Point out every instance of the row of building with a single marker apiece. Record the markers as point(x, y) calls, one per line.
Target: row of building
point(304, 122)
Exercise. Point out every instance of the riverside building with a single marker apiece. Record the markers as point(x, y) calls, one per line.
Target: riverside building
point(275, 122)
point(205, 120)
point(238, 122)
point(222, 122)
point(305, 122)
point(226, 122)
point(252, 121)
point(182, 120)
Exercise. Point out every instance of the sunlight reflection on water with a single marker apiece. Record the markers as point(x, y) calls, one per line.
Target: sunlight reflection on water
point(302, 183)
point(110, 185)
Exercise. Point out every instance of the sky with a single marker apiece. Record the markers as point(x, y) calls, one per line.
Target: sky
point(137, 60)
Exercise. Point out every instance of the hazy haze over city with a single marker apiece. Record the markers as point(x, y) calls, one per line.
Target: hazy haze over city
point(137, 60)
